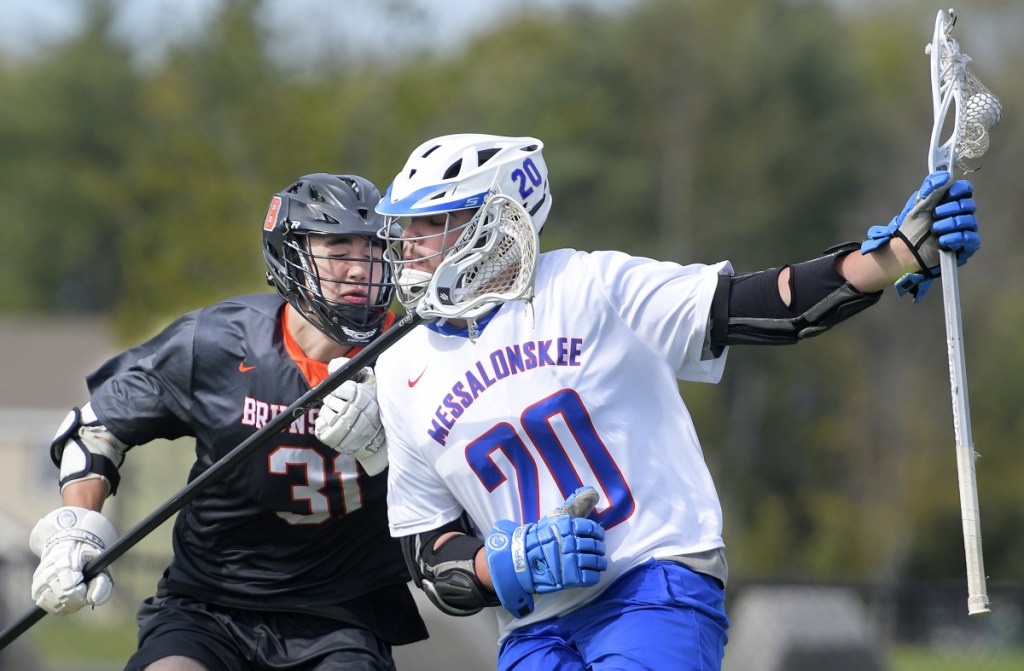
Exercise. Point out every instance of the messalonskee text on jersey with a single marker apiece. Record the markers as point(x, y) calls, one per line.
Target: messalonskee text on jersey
point(498, 365)
point(257, 413)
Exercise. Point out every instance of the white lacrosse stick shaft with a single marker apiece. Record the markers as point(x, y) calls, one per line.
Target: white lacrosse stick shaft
point(947, 76)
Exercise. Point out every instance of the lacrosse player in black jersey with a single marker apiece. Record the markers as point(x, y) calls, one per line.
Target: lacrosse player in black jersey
point(285, 563)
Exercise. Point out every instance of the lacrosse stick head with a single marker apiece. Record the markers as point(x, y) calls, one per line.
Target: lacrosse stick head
point(493, 260)
point(955, 88)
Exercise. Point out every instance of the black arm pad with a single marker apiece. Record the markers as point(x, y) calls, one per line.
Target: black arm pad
point(447, 575)
point(748, 309)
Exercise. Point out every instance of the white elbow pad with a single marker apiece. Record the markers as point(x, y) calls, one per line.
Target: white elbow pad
point(84, 449)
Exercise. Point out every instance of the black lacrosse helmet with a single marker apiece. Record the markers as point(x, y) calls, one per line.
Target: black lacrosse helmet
point(325, 204)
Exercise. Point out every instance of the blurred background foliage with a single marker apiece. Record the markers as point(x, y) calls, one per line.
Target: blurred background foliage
point(761, 131)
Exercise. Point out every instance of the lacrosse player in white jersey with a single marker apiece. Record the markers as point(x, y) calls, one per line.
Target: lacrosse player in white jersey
point(542, 462)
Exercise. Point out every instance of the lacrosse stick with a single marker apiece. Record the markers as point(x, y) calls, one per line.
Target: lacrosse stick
point(975, 112)
point(471, 281)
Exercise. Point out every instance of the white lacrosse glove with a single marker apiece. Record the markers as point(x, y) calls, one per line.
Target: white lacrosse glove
point(349, 420)
point(65, 540)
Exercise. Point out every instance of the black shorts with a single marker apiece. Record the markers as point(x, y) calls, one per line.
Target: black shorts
point(232, 639)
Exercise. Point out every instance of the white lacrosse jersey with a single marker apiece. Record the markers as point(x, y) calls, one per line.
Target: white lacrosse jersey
point(579, 388)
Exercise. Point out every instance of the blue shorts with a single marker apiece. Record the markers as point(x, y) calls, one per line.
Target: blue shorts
point(659, 615)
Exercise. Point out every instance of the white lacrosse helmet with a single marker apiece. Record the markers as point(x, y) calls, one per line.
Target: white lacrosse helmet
point(458, 172)
point(493, 257)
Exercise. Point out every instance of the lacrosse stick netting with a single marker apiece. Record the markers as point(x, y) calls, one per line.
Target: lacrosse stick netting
point(975, 112)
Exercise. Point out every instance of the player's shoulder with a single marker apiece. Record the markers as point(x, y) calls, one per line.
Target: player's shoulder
point(268, 304)
point(559, 261)
point(240, 316)
point(564, 265)
point(251, 306)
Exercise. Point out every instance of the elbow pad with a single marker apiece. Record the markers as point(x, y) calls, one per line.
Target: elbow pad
point(748, 310)
point(84, 449)
point(447, 575)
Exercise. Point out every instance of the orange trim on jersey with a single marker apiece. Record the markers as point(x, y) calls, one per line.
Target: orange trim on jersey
point(315, 371)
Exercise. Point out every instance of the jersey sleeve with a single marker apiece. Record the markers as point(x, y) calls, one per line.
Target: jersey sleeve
point(411, 481)
point(419, 499)
point(144, 393)
point(667, 306)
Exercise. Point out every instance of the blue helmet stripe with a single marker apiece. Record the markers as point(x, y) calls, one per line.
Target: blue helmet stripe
point(406, 207)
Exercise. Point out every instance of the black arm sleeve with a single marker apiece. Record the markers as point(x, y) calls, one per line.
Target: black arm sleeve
point(748, 309)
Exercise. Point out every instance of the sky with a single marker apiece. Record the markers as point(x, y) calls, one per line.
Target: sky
point(376, 25)
point(325, 28)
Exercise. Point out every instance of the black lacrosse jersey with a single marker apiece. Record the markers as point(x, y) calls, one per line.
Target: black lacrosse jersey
point(295, 526)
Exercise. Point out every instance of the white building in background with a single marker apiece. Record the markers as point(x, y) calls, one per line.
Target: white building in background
point(43, 364)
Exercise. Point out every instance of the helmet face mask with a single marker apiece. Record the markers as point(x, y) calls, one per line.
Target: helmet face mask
point(314, 231)
point(414, 258)
point(460, 173)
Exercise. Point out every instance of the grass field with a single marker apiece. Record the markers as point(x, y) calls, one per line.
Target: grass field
point(84, 638)
point(920, 658)
point(65, 642)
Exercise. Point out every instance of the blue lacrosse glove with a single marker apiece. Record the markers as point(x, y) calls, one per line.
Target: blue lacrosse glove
point(938, 216)
point(560, 551)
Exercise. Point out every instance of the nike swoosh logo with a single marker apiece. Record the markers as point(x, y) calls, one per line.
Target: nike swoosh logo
point(412, 383)
point(243, 368)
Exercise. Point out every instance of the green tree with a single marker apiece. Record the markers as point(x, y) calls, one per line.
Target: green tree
point(66, 126)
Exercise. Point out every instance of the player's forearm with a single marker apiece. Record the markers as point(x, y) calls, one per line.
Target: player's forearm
point(86, 494)
point(483, 573)
point(879, 269)
point(867, 273)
